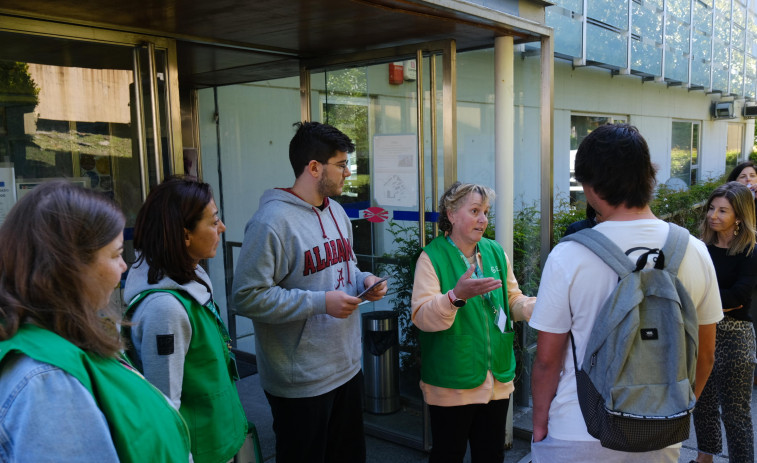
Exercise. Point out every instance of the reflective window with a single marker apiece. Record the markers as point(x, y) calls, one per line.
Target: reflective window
point(66, 111)
point(734, 147)
point(567, 28)
point(684, 154)
point(605, 46)
point(693, 29)
point(607, 12)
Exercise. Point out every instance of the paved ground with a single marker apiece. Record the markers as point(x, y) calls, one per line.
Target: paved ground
point(383, 451)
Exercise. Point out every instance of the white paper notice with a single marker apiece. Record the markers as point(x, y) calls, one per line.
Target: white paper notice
point(395, 173)
point(7, 189)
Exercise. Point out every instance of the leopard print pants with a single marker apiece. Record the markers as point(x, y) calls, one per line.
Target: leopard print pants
point(729, 389)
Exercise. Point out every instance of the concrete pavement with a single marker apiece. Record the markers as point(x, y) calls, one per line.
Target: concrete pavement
point(382, 451)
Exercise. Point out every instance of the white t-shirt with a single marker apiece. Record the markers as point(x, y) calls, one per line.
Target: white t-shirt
point(576, 281)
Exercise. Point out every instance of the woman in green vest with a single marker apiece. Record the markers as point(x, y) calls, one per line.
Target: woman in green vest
point(67, 395)
point(465, 299)
point(180, 342)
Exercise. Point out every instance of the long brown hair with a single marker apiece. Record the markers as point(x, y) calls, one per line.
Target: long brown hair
point(49, 239)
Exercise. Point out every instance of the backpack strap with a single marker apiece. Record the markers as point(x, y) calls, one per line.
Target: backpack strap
point(675, 248)
point(604, 248)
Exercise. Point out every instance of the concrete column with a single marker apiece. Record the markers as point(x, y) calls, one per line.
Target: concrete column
point(504, 132)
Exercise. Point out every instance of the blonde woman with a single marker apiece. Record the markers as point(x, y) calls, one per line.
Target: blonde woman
point(729, 233)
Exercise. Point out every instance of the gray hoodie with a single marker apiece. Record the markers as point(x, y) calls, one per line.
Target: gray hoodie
point(293, 253)
point(161, 314)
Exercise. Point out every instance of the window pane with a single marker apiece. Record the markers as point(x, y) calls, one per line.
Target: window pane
point(609, 12)
point(646, 58)
point(734, 145)
point(605, 46)
point(680, 153)
point(567, 31)
point(695, 144)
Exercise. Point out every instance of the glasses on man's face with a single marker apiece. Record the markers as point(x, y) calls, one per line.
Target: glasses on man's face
point(342, 165)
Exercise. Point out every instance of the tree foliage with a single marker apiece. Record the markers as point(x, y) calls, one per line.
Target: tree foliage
point(16, 84)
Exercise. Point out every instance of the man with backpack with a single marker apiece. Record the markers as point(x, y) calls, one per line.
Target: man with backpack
point(660, 320)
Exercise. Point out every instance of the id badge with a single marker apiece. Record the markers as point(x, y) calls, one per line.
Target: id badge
point(501, 320)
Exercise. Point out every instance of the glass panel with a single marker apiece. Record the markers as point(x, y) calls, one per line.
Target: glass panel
point(739, 13)
point(676, 67)
point(66, 109)
point(695, 144)
point(646, 57)
point(702, 18)
point(737, 39)
point(723, 9)
point(677, 40)
point(609, 12)
point(567, 32)
point(677, 36)
point(605, 46)
point(572, 5)
point(751, 76)
point(679, 9)
point(720, 75)
point(681, 153)
point(701, 46)
point(734, 145)
point(647, 22)
point(737, 71)
point(700, 73)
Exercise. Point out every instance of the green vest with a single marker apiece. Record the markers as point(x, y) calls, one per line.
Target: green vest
point(460, 356)
point(143, 424)
point(209, 400)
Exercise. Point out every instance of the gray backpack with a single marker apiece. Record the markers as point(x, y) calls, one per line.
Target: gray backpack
point(635, 385)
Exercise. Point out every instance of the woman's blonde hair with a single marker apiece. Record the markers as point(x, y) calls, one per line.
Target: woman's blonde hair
point(452, 199)
point(741, 200)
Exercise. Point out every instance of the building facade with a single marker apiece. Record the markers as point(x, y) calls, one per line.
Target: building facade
point(116, 96)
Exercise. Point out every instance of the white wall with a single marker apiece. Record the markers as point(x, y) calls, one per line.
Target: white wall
point(651, 106)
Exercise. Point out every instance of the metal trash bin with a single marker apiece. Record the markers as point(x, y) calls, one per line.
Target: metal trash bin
point(381, 362)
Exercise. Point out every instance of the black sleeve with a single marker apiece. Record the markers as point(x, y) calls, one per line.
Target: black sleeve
point(739, 292)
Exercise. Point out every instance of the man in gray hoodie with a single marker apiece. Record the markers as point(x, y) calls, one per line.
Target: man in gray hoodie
point(297, 279)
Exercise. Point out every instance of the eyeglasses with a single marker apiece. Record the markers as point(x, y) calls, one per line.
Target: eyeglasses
point(343, 166)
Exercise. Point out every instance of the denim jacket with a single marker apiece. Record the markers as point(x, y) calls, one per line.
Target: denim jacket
point(47, 415)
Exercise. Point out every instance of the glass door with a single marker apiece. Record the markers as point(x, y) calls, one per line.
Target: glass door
point(73, 109)
point(387, 108)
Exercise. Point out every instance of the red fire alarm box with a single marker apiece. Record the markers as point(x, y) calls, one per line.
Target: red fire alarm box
point(396, 74)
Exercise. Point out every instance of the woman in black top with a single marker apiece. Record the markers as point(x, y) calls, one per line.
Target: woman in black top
point(729, 233)
point(746, 173)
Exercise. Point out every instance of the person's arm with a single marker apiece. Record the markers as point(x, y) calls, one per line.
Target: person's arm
point(262, 264)
point(740, 291)
point(431, 309)
point(545, 375)
point(521, 306)
point(161, 335)
point(53, 417)
point(705, 357)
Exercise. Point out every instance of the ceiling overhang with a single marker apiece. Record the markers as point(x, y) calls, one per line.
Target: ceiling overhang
point(226, 41)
